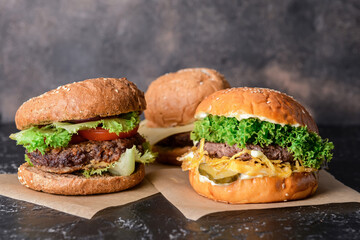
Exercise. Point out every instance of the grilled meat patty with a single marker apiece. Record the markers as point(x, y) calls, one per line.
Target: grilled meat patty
point(272, 152)
point(177, 140)
point(75, 156)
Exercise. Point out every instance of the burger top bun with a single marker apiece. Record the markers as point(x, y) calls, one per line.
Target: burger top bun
point(264, 104)
point(172, 98)
point(98, 97)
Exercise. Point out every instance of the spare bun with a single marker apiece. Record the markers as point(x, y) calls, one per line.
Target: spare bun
point(258, 190)
point(265, 104)
point(81, 100)
point(70, 184)
point(172, 98)
point(169, 155)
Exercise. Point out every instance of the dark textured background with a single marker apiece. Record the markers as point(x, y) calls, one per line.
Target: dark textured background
point(309, 49)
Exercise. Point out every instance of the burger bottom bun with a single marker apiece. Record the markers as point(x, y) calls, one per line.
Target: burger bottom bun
point(71, 184)
point(258, 190)
point(169, 155)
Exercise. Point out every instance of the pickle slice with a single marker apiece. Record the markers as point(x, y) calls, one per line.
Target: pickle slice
point(218, 177)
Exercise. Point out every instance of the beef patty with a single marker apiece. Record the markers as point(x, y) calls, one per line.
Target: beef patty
point(75, 156)
point(272, 152)
point(177, 140)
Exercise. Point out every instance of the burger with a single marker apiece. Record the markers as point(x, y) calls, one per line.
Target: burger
point(82, 138)
point(254, 145)
point(171, 103)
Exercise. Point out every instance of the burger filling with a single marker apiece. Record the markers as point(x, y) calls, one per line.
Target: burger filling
point(92, 146)
point(272, 152)
point(229, 149)
point(84, 155)
point(176, 141)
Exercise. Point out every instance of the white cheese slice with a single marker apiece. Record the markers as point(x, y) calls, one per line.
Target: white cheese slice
point(154, 135)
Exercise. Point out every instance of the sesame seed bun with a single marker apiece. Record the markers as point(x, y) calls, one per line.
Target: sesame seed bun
point(70, 184)
point(92, 98)
point(98, 97)
point(265, 104)
point(173, 98)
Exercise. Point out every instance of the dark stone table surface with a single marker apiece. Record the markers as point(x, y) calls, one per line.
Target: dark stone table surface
point(155, 218)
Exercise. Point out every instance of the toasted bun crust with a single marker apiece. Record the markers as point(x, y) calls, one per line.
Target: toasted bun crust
point(70, 184)
point(81, 100)
point(172, 98)
point(169, 155)
point(258, 190)
point(265, 104)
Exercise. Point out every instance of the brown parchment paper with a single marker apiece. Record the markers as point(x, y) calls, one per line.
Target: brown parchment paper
point(174, 185)
point(82, 206)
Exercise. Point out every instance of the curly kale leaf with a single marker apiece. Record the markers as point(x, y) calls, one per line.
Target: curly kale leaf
point(308, 147)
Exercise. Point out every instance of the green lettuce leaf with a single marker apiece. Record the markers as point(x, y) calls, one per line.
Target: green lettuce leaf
point(125, 166)
point(27, 159)
point(98, 171)
point(42, 138)
point(58, 134)
point(309, 148)
point(73, 128)
point(149, 156)
point(124, 123)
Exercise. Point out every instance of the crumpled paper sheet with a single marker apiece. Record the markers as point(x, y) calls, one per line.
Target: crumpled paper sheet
point(82, 206)
point(175, 186)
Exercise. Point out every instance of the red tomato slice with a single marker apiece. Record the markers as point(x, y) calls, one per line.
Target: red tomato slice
point(100, 134)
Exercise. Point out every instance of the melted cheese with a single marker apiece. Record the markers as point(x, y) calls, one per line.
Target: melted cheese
point(95, 165)
point(154, 135)
point(258, 166)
